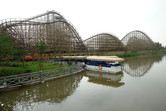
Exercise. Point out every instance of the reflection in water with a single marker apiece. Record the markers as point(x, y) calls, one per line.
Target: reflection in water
point(95, 91)
point(139, 66)
point(103, 78)
point(52, 91)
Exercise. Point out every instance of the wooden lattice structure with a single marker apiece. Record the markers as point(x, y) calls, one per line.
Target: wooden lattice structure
point(60, 36)
point(137, 40)
point(50, 27)
point(103, 42)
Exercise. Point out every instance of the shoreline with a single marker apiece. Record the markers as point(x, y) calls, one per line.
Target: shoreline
point(3, 89)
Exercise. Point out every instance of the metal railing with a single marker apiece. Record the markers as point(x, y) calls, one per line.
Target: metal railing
point(38, 76)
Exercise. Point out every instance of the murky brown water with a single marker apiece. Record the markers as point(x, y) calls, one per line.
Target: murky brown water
point(140, 87)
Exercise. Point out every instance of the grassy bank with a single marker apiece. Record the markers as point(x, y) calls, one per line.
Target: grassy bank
point(17, 68)
point(141, 53)
point(118, 53)
point(126, 54)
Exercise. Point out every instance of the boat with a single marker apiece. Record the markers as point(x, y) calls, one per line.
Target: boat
point(109, 64)
point(104, 64)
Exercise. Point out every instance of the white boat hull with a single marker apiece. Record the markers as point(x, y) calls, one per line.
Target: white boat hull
point(113, 69)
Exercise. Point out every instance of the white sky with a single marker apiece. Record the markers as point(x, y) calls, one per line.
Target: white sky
point(91, 17)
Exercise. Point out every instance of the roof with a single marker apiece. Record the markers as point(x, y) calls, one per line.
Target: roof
point(105, 58)
point(96, 58)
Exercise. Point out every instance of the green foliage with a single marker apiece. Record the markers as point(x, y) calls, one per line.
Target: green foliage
point(15, 68)
point(154, 53)
point(6, 46)
point(128, 55)
point(78, 54)
point(134, 51)
point(41, 47)
point(18, 53)
point(9, 72)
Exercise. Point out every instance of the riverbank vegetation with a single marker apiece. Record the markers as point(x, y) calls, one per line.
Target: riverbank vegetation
point(15, 68)
point(12, 58)
point(125, 54)
point(9, 51)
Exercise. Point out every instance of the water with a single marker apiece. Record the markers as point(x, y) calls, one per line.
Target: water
point(140, 87)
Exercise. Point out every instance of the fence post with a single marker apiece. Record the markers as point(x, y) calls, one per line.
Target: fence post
point(19, 81)
point(4, 84)
point(71, 69)
point(41, 75)
point(65, 70)
point(31, 77)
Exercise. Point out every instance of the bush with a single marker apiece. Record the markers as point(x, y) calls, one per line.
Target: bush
point(14, 65)
point(77, 54)
point(6, 72)
point(128, 55)
point(28, 71)
point(10, 71)
point(83, 54)
point(134, 51)
point(28, 68)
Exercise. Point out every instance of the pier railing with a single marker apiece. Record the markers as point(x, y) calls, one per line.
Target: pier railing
point(26, 78)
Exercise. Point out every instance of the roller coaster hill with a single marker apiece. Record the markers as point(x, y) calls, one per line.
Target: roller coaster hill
point(60, 36)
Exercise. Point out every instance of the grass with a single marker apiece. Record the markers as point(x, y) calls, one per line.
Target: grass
point(129, 55)
point(15, 68)
point(125, 55)
point(135, 53)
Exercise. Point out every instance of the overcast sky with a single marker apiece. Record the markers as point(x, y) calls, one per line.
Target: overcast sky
point(91, 17)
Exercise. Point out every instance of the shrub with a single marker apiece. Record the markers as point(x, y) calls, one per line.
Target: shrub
point(28, 71)
point(6, 72)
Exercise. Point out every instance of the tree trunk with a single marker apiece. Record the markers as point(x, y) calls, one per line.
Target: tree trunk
point(23, 61)
point(7, 61)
